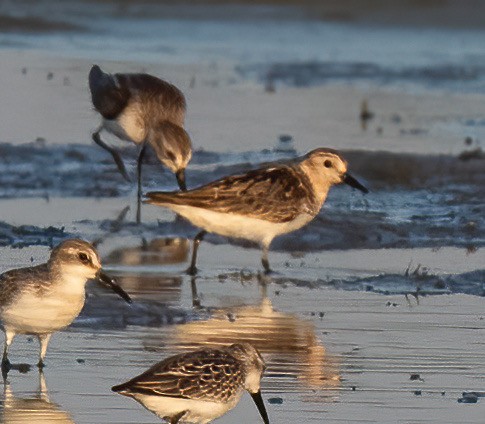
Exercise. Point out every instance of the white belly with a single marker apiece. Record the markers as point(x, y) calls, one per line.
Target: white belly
point(239, 226)
point(129, 125)
point(31, 314)
point(198, 411)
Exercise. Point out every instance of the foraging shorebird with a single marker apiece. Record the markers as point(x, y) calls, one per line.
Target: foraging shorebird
point(145, 110)
point(261, 204)
point(199, 386)
point(43, 299)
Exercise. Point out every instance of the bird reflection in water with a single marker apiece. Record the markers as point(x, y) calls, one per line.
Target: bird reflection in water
point(36, 409)
point(149, 256)
point(288, 343)
point(160, 251)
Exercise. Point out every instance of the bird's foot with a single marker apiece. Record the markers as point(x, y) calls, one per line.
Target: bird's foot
point(6, 366)
point(192, 271)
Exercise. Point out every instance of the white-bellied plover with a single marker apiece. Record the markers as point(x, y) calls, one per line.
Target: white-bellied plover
point(145, 110)
point(199, 386)
point(43, 299)
point(263, 203)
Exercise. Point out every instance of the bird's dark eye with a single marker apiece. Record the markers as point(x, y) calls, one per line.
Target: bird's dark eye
point(327, 163)
point(170, 155)
point(83, 258)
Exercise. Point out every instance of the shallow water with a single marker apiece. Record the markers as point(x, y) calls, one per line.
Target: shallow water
point(328, 351)
point(331, 345)
point(286, 42)
point(375, 312)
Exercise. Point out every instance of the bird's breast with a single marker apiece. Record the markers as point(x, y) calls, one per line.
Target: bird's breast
point(34, 312)
point(129, 125)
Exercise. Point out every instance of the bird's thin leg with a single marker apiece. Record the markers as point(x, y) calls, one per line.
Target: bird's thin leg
point(43, 341)
point(9, 336)
point(197, 239)
point(138, 169)
point(265, 261)
point(116, 156)
point(195, 295)
point(43, 392)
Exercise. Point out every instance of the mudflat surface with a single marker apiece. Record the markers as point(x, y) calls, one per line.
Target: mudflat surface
point(376, 310)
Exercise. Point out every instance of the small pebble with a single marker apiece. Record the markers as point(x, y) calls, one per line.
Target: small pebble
point(468, 398)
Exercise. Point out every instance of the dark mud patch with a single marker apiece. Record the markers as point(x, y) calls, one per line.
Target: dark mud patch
point(39, 170)
point(472, 283)
point(30, 235)
point(418, 283)
point(34, 24)
point(311, 73)
point(414, 200)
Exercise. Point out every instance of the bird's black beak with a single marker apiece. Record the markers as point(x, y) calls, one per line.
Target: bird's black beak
point(352, 182)
point(180, 175)
point(110, 283)
point(258, 400)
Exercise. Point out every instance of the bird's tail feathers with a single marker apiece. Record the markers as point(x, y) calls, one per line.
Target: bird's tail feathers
point(161, 197)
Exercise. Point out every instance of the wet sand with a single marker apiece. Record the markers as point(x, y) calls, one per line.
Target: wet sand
point(334, 355)
point(343, 341)
point(222, 116)
point(334, 351)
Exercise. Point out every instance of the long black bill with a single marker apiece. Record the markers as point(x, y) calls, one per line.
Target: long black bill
point(352, 182)
point(180, 175)
point(258, 400)
point(109, 282)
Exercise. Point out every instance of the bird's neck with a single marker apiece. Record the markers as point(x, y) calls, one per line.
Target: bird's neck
point(318, 181)
point(69, 280)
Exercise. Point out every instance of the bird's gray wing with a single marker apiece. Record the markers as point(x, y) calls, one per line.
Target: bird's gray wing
point(207, 374)
point(108, 96)
point(277, 194)
point(22, 279)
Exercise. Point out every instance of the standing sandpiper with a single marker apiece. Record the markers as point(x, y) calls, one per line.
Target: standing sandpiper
point(261, 204)
point(199, 386)
point(142, 109)
point(43, 299)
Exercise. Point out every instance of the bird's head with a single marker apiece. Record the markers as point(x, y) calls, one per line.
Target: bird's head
point(327, 167)
point(78, 261)
point(254, 366)
point(173, 148)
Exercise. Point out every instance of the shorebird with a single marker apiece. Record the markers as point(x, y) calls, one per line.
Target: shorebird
point(263, 203)
point(145, 110)
point(199, 386)
point(43, 299)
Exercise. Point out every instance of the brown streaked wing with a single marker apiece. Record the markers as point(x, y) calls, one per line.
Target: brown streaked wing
point(152, 88)
point(108, 98)
point(277, 194)
point(207, 374)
